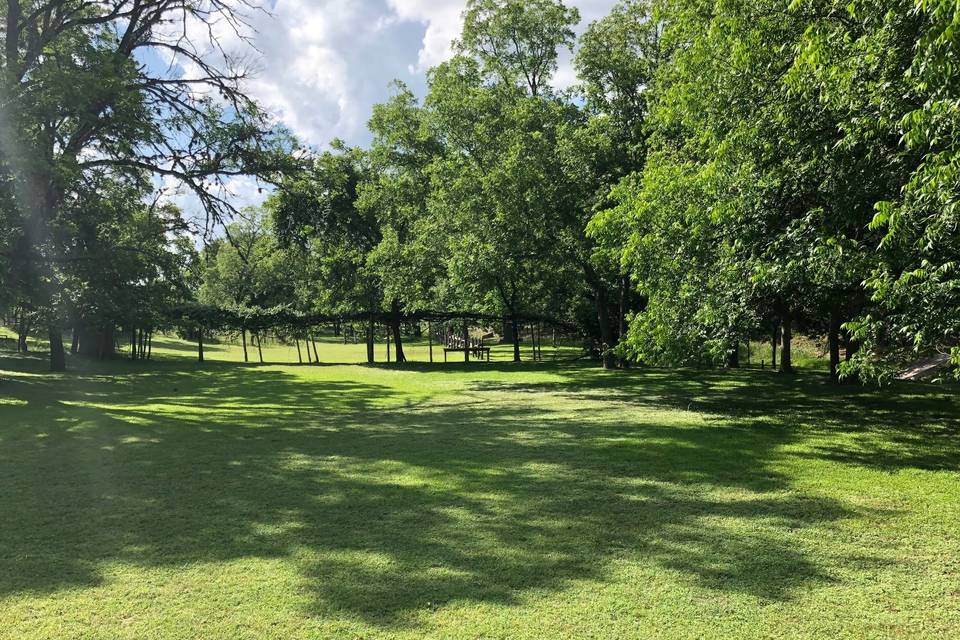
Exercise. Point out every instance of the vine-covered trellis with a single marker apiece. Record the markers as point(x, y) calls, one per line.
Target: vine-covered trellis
point(200, 320)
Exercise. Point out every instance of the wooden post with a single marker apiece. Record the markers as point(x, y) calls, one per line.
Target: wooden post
point(200, 343)
point(430, 339)
point(243, 334)
point(533, 342)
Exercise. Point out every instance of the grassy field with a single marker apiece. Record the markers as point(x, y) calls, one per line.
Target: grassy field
point(177, 500)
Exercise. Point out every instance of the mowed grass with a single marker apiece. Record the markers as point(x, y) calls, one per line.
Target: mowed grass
point(177, 500)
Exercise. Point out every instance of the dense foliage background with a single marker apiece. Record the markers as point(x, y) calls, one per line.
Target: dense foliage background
point(725, 171)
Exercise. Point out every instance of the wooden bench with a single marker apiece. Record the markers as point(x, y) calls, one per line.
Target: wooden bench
point(458, 344)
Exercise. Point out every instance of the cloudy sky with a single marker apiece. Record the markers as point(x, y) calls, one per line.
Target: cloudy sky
point(320, 65)
point(324, 63)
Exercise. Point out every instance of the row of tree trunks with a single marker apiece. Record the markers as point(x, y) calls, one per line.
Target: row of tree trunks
point(141, 344)
point(95, 342)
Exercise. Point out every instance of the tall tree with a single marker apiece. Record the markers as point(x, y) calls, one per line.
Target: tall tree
point(77, 100)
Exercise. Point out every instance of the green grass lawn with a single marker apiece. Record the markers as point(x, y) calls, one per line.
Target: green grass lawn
point(177, 500)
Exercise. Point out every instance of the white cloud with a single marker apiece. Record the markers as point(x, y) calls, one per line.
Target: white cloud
point(321, 65)
point(325, 63)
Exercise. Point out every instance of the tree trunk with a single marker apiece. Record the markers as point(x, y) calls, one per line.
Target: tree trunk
point(371, 356)
point(259, 347)
point(607, 340)
point(430, 339)
point(833, 339)
point(243, 336)
point(773, 343)
point(58, 359)
point(299, 353)
point(515, 330)
point(466, 341)
point(786, 359)
point(851, 346)
point(75, 342)
point(150, 344)
point(200, 344)
point(395, 327)
point(133, 343)
point(533, 342)
point(316, 356)
point(624, 301)
point(733, 356)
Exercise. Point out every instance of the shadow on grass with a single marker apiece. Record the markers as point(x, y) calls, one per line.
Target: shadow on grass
point(907, 425)
point(392, 507)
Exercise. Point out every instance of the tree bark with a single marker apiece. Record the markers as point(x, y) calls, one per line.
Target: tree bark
point(259, 347)
point(200, 344)
point(58, 359)
point(395, 327)
point(299, 353)
point(243, 335)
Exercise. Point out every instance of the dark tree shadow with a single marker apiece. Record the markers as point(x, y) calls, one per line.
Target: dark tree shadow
point(397, 506)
